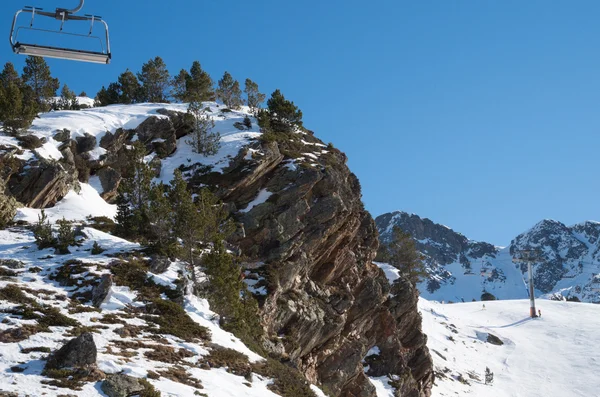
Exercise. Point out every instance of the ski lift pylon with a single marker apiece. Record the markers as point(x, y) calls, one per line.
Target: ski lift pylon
point(63, 15)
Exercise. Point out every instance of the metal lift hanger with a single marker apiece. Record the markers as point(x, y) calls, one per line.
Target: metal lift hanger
point(63, 15)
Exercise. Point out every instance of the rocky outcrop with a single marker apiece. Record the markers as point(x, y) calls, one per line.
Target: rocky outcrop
point(77, 353)
point(42, 183)
point(326, 299)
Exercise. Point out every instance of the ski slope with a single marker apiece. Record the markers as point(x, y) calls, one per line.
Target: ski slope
point(554, 355)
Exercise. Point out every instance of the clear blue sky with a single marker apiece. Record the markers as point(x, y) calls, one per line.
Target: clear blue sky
point(481, 115)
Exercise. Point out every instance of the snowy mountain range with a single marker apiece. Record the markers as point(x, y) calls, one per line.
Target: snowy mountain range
point(567, 266)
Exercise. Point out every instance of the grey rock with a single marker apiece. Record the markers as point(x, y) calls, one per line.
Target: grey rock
point(159, 264)
point(494, 340)
point(62, 135)
point(30, 141)
point(86, 143)
point(120, 385)
point(114, 142)
point(110, 180)
point(79, 352)
point(101, 291)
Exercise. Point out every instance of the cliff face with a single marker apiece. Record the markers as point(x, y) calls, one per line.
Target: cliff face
point(313, 242)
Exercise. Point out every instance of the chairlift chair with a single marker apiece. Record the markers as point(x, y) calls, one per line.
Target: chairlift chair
point(63, 15)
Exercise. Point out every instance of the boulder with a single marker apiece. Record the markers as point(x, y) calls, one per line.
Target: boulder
point(30, 141)
point(79, 352)
point(158, 134)
point(494, 340)
point(183, 123)
point(101, 291)
point(120, 385)
point(63, 135)
point(114, 142)
point(159, 264)
point(86, 143)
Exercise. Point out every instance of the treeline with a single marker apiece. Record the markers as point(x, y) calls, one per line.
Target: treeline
point(154, 83)
point(23, 96)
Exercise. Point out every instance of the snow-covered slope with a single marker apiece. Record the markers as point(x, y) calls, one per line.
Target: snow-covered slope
point(461, 269)
point(549, 356)
point(35, 273)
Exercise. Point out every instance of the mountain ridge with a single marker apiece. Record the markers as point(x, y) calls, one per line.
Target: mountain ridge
point(567, 267)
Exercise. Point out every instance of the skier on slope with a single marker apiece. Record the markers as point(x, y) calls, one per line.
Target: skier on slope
point(539, 312)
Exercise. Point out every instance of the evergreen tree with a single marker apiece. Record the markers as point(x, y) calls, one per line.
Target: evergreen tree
point(403, 255)
point(36, 74)
point(129, 88)
point(203, 140)
point(65, 236)
point(83, 94)
point(42, 231)
point(284, 112)
point(160, 217)
point(179, 84)
point(229, 296)
point(229, 92)
point(17, 108)
point(187, 223)
point(225, 281)
point(155, 80)
point(254, 97)
point(68, 99)
point(134, 195)
point(200, 85)
point(215, 218)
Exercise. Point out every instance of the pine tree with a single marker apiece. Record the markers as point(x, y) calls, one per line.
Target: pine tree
point(42, 232)
point(254, 97)
point(36, 74)
point(134, 195)
point(214, 217)
point(229, 296)
point(187, 223)
point(225, 282)
point(68, 99)
point(229, 92)
point(129, 88)
point(200, 85)
point(160, 218)
point(179, 84)
point(405, 257)
point(202, 139)
point(284, 112)
point(65, 236)
point(155, 80)
point(17, 108)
